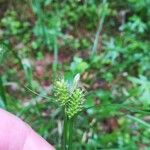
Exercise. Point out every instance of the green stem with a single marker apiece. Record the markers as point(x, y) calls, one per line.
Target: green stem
point(71, 122)
point(99, 30)
point(2, 91)
point(55, 63)
point(65, 132)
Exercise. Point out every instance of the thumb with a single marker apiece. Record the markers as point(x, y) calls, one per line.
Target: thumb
point(17, 135)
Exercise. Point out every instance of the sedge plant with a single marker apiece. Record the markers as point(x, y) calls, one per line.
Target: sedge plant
point(71, 98)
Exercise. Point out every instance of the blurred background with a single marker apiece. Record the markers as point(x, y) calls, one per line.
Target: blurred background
point(106, 41)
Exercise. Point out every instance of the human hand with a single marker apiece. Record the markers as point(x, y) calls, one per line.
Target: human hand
point(17, 135)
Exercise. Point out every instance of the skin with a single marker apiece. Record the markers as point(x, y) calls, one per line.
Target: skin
point(17, 135)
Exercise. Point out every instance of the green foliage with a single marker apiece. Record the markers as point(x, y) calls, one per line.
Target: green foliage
point(78, 65)
point(141, 87)
point(47, 26)
point(134, 25)
point(13, 26)
point(11, 23)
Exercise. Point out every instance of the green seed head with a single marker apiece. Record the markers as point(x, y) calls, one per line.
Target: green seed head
point(61, 92)
point(75, 103)
point(71, 98)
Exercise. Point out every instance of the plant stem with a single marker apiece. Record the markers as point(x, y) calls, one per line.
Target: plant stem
point(2, 91)
point(100, 27)
point(55, 63)
point(71, 122)
point(67, 133)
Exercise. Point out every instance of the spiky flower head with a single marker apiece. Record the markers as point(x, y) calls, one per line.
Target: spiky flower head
point(75, 103)
point(71, 97)
point(61, 92)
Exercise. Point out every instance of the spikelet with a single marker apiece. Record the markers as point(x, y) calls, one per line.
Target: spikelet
point(75, 103)
point(61, 92)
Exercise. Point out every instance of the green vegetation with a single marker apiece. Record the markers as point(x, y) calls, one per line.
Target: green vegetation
point(46, 44)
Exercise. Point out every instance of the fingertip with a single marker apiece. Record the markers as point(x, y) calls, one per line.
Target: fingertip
point(36, 142)
point(13, 131)
point(17, 135)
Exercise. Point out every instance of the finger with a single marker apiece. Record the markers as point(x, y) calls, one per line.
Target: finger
point(17, 135)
